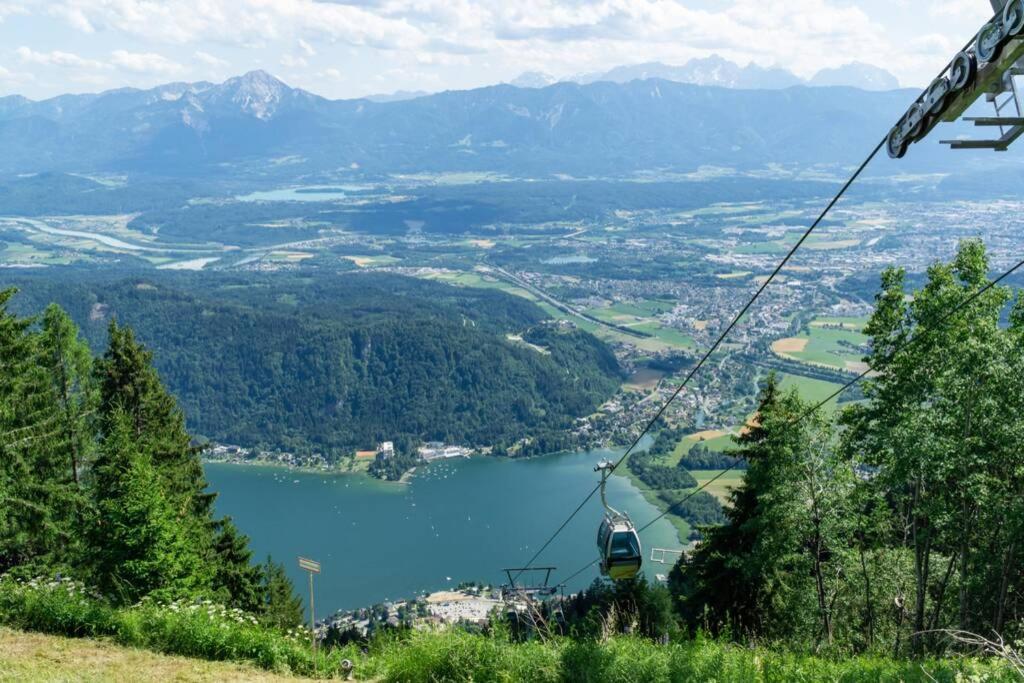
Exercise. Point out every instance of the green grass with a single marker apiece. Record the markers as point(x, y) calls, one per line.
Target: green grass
point(717, 443)
point(830, 346)
point(719, 488)
point(849, 322)
point(812, 390)
point(206, 633)
point(39, 658)
point(668, 335)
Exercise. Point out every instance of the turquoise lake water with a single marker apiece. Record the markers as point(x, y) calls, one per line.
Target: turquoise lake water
point(463, 519)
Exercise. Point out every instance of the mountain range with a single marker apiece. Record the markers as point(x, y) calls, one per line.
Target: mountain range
point(258, 125)
point(717, 71)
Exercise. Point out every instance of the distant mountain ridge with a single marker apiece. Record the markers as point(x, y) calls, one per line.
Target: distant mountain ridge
point(256, 123)
point(718, 71)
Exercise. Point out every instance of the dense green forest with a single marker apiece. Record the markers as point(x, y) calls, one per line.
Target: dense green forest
point(99, 480)
point(334, 363)
point(700, 457)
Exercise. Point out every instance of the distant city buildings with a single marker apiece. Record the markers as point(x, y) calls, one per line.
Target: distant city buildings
point(435, 450)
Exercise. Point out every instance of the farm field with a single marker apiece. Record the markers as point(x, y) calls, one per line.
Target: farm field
point(642, 317)
point(833, 342)
point(813, 390)
point(715, 440)
point(721, 487)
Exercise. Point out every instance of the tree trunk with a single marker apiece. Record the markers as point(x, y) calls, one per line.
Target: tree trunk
point(922, 555)
point(69, 430)
point(1004, 582)
point(870, 616)
point(966, 514)
point(819, 581)
point(937, 609)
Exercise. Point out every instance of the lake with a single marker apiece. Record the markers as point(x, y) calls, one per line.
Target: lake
point(457, 520)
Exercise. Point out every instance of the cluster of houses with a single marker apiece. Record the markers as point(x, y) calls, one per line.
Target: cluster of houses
point(251, 456)
point(473, 605)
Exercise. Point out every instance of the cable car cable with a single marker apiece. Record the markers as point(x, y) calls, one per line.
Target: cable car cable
point(721, 338)
point(718, 342)
point(916, 338)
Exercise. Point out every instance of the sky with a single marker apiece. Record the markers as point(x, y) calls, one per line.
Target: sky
point(353, 48)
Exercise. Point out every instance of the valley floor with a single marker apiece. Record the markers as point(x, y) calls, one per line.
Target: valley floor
point(32, 657)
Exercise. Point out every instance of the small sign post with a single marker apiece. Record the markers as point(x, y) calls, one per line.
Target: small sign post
point(312, 567)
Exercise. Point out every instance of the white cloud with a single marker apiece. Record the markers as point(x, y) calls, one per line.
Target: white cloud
point(14, 77)
point(211, 60)
point(293, 62)
point(11, 8)
point(57, 58)
point(238, 22)
point(468, 40)
point(145, 63)
point(977, 12)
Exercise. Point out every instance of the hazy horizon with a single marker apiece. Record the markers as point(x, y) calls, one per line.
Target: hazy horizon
point(348, 49)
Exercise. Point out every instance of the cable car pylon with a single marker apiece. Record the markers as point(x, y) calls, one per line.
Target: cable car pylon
point(987, 66)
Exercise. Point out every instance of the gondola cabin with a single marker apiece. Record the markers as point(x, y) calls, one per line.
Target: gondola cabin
point(619, 548)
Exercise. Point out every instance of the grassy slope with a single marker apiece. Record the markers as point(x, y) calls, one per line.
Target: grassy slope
point(453, 656)
point(37, 657)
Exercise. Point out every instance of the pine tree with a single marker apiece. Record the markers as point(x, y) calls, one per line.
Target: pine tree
point(129, 383)
point(69, 364)
point(140, 545)
point(738, 578)
point(131, 392)
point(236, 579)
point(36, 501)
point(282, 608)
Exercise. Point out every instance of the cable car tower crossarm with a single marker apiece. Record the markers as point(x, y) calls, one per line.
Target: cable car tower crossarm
point(986, 67)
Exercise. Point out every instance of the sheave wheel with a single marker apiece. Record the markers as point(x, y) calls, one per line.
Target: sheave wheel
point(935, 96)
point(896, 144)
point(962, 71)
point(990, 40)
point(1013, 18)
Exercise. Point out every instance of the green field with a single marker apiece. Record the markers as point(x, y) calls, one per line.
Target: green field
point(714, 443)
point(812, 390)
point(652, 496)
point(851, 323)
point(669, 335)
point(828, 346)
point(642, 317)
point(488, 282)
point(721, 487)
point(833, 342)
point(760, 248)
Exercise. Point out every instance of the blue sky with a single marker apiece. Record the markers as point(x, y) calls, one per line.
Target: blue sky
point(351, 48)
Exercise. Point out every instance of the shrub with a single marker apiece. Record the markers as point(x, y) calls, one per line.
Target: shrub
point(203, 629)
point(199, 628)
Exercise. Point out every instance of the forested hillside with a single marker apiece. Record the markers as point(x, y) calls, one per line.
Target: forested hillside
point(343, 362)
point(881, 542)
